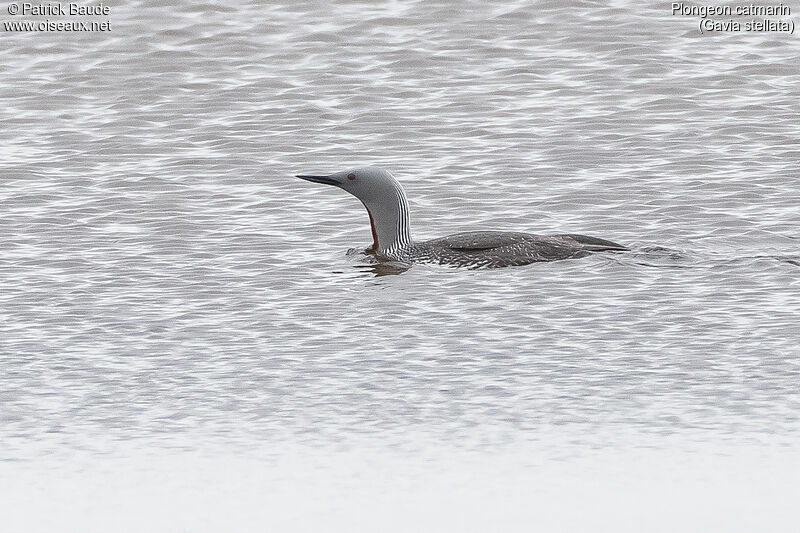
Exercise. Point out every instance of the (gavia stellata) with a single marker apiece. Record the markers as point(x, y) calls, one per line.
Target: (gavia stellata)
point(386, 204)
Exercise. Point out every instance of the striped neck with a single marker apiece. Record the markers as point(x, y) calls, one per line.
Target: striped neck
point(390, 220)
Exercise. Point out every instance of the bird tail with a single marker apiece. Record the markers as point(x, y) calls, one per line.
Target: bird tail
point(593, 244)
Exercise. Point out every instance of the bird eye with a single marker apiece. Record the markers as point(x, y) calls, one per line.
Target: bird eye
point(351, 177)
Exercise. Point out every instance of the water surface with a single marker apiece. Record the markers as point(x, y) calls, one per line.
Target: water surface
point(186, 344)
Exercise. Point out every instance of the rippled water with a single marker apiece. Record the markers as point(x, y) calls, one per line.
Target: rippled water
point(185, 343)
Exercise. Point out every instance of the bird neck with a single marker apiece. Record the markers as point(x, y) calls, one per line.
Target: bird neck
point(391, 223)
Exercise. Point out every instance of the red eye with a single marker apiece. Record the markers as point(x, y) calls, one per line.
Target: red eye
point(351, 177)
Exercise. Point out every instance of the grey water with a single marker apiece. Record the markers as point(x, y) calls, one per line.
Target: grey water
point(186, 344)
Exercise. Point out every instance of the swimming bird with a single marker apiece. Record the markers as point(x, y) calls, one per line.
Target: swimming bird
point(387, 206)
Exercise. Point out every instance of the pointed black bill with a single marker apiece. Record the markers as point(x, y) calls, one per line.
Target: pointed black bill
point(319, 179)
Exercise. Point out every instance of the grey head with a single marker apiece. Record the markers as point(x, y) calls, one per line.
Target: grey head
point(385, 201)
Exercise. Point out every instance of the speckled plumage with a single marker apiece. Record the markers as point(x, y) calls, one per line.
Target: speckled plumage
point(386, 204)
point(493, 249)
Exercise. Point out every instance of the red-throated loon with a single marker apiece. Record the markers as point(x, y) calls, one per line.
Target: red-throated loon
point(386, 204)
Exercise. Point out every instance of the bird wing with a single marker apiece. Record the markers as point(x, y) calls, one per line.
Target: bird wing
point(481, 240)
